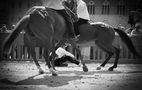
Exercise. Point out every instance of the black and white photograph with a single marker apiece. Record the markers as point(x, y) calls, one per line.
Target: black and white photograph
point(70, 44)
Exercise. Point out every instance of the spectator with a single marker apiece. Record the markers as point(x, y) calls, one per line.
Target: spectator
point(12, 27)
point(131, 21)
point(120, 26)
point(134, 18)
point(138, 29)
point(4, 28)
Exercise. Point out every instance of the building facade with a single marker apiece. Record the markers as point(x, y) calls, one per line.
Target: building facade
point(113, 12)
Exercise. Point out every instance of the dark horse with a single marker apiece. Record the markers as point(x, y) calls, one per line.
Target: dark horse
point(36, 43)
point(103, 36)
point(45, 24)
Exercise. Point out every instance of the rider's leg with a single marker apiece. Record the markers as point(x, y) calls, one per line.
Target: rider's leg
point(82, 21)
point(78, 23)
point(60, 62)
point(72, 60)
point(70, 25)
point(68, 22)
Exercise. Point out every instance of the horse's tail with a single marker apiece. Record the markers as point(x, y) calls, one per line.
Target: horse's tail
point(125, 38)
point(18, 28)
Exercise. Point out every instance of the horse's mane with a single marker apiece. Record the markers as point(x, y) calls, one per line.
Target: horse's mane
point(44, 12)
point(34, 8)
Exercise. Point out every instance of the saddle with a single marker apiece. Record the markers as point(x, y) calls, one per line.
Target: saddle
point(40, 10)
point(79, 23)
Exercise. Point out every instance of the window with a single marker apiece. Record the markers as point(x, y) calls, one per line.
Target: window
point(121, 8)
point(91, 7)
point(106, 7)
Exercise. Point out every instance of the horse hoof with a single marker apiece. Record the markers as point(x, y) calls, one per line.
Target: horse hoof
point(54, 72)
point(85, 69)
point(98, 68)
point(110, 69)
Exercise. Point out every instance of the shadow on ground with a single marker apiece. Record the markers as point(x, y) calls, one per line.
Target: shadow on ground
point(54, 81)
point(44, 79)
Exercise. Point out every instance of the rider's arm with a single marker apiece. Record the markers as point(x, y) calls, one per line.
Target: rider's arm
point(65, 4)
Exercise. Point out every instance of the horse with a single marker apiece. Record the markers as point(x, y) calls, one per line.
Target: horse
point(37, 43)
point(47, 25)
point(102, 35)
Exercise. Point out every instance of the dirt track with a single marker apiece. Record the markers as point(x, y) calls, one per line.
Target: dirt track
point(24, 76)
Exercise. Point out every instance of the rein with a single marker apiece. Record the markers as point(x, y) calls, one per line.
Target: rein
point(70, 12)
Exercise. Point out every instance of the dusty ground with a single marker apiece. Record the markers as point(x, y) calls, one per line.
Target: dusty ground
point(24, 76)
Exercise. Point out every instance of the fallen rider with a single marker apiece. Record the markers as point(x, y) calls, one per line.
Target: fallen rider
point(63, 56)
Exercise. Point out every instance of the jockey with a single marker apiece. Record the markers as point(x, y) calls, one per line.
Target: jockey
point(82, 13)
point(61, 52)
point(58, 5)
point(131, 21)
point(138, 26)
point(63, 56)
point(138, 29)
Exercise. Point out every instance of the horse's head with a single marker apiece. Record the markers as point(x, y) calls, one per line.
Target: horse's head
point(71, 8)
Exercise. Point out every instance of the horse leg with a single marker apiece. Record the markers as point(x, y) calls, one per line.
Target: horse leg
point(52, 55)
point(106, 61)
point(85, 69)
point(117, 53)
point(48, 62)
point(31, 51)
point(108, 49)
point(51, 58)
